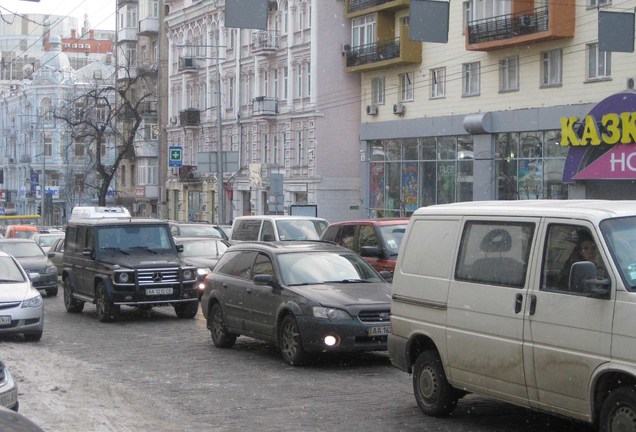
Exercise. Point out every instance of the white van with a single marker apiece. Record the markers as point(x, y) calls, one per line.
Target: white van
point(277, 228)
point(507, 299)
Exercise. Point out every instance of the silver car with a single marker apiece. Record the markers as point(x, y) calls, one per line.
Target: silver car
point(8, 389)
point(21, 308)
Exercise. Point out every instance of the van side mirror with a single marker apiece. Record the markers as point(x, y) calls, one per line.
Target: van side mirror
point(584, 279)
point(371, 251)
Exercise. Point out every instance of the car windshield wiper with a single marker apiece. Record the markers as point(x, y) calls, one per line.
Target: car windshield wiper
point(10, 281)
point(348, 281)
point(307, 283)
point(115, 249)
point(145, 248)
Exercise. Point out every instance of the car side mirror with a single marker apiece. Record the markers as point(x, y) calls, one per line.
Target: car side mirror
point(87, 252)
point(264, 279)
point(387, 276)
point(179, 248)
point(584, 279)
point(50, 254)
point(33, 276)
point(371, 251)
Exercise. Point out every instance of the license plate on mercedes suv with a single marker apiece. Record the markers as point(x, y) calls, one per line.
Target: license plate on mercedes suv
point(158, 291)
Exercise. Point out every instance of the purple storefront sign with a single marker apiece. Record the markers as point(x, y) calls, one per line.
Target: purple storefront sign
point(604, 161)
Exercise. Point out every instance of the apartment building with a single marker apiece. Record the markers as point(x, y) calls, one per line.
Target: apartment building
point(138, 45)
point(274, 106)
point(519, 104)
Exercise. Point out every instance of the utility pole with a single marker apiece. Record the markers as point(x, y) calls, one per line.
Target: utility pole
point(43, 180)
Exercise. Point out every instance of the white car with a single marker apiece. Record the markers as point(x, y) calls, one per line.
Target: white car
point(21, 308)
point(8, 389)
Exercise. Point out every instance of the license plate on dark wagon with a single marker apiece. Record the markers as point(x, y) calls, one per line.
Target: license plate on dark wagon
point(379, 330)
point(158, 291)
point(5, 320)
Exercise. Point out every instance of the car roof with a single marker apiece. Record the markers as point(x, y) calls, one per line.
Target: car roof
point(17, 240)
point(277, 217)
point(117, 221)
point(290, 246)
point(379, 221)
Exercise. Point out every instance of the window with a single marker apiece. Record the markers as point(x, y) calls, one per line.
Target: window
point(466, 14)
point(495, 253)
point(299, 80)
point(308, 79)
point(405, 86)
point(599, 63)
point(362, 31)
point(48, 144)
point(283, 18)
point(551, 70)
point(230, 92)
point(565, 245)
point(438, 82)
point(147, 172)
point(275, 89)
point(377, 91)
point(597, 3)
point(79, 148)
point(265, 88)
point(471, 79)
point(285, 83)
point(509, 73)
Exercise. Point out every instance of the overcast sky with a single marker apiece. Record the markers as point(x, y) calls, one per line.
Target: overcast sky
point(101, 13)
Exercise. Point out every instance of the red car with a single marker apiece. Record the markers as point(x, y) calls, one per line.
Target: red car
point(376, 240)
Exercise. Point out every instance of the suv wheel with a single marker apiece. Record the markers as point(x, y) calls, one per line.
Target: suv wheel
point(106, 310)
point(72, 305)
point(220, 336)
point(291, 346)
point(186, 310)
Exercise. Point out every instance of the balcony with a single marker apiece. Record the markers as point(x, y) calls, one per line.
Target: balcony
point(379, 55)
point(356, 8)
point(264, 106)
point(190, 117)
point(521, 27)
point(188, 173)
point(187, 64)
point(264, 42)
point(149, 26)
point(128, 34)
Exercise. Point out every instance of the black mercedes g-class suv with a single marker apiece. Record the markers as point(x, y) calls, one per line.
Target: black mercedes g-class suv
point(124, 261)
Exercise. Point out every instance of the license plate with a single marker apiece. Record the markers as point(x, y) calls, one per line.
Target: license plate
point(9, 398)
point(379, 331)
point(4, 320)
point(158, 291)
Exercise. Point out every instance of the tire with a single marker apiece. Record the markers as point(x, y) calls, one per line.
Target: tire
point(290, 342)
point(51, 292)
point(106, 310)
point(618, 412)
point(33, 337)
point(186, 310)
point(220, 336)
point(72, 305)
point(433, 394)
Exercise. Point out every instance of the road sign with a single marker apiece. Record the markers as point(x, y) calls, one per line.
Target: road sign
point(176, 157)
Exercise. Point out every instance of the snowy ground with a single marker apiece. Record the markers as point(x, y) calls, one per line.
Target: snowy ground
point(61, 394)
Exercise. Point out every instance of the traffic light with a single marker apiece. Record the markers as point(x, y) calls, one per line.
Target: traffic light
point(40, 209)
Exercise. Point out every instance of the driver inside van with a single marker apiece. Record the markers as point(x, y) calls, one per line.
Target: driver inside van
point(584, 250)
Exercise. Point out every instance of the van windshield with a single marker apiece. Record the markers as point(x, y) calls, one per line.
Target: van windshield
point(620, 235)
point(300, 229)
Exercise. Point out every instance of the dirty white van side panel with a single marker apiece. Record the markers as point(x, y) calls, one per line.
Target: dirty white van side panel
point(424, 273)
point(485, 308)
point(568, 333)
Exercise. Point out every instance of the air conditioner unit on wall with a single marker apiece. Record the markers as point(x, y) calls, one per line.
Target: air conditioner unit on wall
point(372, 109)
point(630, 83)
point(173, 120)
point(398, 109)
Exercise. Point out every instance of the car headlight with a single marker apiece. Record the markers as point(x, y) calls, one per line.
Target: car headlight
point(203, 271)
point(32, 302)
point(123, 277)
point(330, 313)
point(188, 274)
point(51, 269)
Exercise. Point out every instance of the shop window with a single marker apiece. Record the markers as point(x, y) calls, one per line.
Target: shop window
point(531, 144)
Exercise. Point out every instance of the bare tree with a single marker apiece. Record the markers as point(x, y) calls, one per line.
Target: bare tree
point(106, 115)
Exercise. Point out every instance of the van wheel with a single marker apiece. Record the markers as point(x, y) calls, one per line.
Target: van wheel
point(433, 394)
point(618, 413)
point(72, 305)
point(220, 336)
point(106, 310)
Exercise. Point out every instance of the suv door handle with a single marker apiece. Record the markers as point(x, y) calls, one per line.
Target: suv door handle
point(518, 303)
